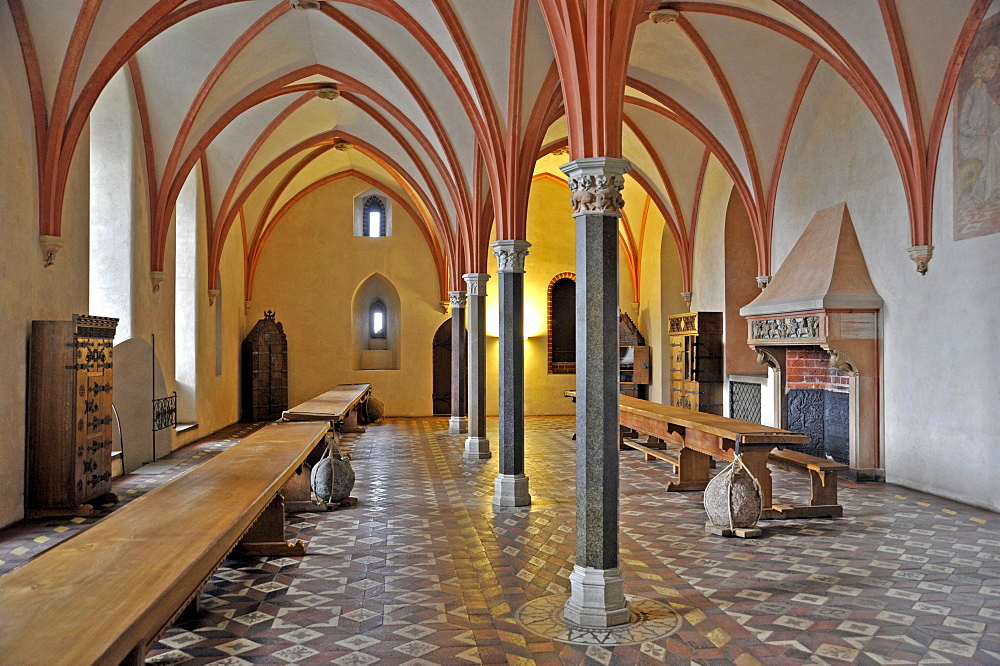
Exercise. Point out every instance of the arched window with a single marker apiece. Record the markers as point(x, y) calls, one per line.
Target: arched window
point(378, 324)
point(562, 324)
point(374, 216)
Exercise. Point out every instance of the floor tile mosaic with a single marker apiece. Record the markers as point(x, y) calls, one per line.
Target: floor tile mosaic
point(422, 571)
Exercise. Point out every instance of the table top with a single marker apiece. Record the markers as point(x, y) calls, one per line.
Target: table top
point(153, 549)
point(333, 405)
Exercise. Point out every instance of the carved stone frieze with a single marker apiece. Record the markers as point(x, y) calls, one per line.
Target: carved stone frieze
point(785, 327)
point(510, 255)
point(457, 299)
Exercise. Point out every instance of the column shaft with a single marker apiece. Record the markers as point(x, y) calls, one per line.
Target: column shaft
point(477, 446)
point(459, 373)
point(511, 485)
point(597, 391)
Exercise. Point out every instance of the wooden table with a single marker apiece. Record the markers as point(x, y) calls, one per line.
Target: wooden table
point(108, 593)
point(702, 437)
point(339, 407)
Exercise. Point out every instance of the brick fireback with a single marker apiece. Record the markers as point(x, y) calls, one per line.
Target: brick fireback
point(809, 368)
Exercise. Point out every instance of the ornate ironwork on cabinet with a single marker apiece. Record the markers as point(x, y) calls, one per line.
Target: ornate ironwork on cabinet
point(265, 370)
point(69, 416)
point(696, 361)
point(633, 359)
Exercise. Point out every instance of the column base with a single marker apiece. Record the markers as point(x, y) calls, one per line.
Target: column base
point(477, 448)
point(510, 491)
point(597, 598)
point(458, 425)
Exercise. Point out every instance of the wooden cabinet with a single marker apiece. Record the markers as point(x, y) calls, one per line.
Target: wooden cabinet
point(69, 415)
point(634, 373)
point(265, 371)
point(696, 361)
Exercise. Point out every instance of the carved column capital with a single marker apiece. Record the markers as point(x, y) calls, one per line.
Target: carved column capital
point(476, 283)
point(763, 281)
point(595, 184)
point(156, 278)
point(212, 295)
point(510, 255)
point(458, 299)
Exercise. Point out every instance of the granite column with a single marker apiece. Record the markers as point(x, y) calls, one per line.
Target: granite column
point(597, 596)
point(477, 446)
point(458, 423)
point(511, 485)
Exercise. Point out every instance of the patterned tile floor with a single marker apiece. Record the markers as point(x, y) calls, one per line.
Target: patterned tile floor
point(423, 571)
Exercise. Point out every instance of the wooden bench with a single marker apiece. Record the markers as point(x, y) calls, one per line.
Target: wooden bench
point(107, 594)
point(822, 484)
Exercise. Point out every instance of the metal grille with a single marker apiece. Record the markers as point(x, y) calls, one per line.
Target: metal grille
point(744, 401)
point(165, 412)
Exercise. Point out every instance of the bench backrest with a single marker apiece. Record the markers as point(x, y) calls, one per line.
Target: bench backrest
point(91, 599)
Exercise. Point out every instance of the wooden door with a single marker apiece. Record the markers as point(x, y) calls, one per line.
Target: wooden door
point(442, 369)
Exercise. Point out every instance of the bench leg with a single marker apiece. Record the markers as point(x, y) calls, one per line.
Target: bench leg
point(350, 423)
point(756, 462)
point(692, 471)
point(823, 488)
point(267, 535)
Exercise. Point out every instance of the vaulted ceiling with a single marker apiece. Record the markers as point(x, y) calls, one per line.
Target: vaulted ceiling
point(420, 96)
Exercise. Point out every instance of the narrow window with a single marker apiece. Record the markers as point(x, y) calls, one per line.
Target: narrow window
point(374, 214)
point(376, 321)
point(562, 325)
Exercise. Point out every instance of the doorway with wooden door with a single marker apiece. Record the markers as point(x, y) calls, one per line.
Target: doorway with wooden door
point(442, 369)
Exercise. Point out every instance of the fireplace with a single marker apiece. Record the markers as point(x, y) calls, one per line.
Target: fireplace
point(817, 326)
point(817, 402)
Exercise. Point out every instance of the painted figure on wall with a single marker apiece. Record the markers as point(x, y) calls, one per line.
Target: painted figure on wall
point(977, 136)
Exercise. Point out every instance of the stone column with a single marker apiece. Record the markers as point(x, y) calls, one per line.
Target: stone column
point(511, 485)
point(458, 423)
point(597, 596)
point(477, 446)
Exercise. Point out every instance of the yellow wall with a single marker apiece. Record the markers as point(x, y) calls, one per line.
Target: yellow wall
point(308, 273)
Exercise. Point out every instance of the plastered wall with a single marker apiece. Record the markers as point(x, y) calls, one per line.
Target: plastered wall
point(308, 273)
point(939, 331)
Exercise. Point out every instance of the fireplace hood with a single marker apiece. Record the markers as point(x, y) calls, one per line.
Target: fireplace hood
point(824, 271)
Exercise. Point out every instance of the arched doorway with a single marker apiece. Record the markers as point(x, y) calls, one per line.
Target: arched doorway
point(442, 369)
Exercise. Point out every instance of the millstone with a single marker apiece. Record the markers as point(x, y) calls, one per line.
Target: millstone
point(733, 498)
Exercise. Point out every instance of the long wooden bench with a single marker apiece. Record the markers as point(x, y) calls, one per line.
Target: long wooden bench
point(105, 595)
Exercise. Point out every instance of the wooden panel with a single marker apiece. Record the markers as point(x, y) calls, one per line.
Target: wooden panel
point(117, 584)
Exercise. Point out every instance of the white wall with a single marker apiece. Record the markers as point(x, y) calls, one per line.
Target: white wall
point(941, 429)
